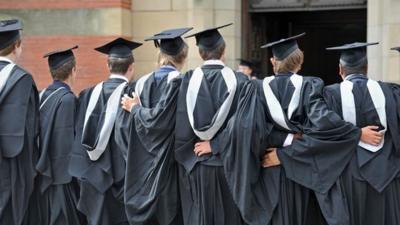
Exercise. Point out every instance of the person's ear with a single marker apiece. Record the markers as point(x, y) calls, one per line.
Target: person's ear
point(223, 56)
point(132, 68)
point(273, 61)
point(341, 72)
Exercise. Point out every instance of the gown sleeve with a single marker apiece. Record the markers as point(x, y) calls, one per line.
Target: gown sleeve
point(242, 144)
point(320, 156)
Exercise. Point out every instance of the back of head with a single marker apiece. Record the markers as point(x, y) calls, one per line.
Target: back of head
point(120, 56)
point(63, 72)
point(287, 56)
point(359, 69)
point(10, 36)
point(119, 65)
point(211, 43)
point(210, 54)
point(10, 48)
point(289, 64)
point(353, 57)
point(177, 60)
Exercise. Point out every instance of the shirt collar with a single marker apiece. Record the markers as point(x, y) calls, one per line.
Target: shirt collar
point(355, 76)
point(285, 74)
point(57, 84)
point(118, 76)
point(169, 67)
point(214, 62)
point(6, 59)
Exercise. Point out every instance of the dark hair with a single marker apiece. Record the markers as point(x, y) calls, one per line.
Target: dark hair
point(119, 65)
point(360, 69)
point(215, 53)
point(10, 48)
point(64, 71)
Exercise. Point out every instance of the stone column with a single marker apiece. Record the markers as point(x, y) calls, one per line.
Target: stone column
point(384, 27)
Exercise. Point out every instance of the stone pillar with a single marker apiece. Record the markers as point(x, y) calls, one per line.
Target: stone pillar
point(150, 16)
point(384, 27)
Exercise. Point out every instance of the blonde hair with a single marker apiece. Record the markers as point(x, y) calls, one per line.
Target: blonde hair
point(290, 63)
point(176, 61)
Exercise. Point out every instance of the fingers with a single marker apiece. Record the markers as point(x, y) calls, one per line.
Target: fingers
point(373, 127)
point(200, 149)
point(374, 141)
point(269, 162)
point(200, 152)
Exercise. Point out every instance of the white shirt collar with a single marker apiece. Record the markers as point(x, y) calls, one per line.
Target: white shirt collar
point(6, 59)
point(118, 76)
point(168, 66)
point(213, 62)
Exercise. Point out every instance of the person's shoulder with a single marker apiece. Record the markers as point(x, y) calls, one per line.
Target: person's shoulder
point(86, 92)
point(187, 73)
point(241, 76)
point(18, 70)
point(68, 98)
point(332, 89)
point(313, 79)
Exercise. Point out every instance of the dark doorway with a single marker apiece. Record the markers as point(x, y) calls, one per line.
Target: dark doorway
point(323, 28)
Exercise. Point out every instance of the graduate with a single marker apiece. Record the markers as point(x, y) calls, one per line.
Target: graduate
point(151, 180)
point(96, 161)
point(370, 181)
point(207, 99)
point(55, 195)
point(312, 165)
point(248, 67)
point(19, 130)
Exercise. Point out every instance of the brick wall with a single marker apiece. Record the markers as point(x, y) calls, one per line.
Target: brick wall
point(91, 64)
point(58, 24)
point(63, 4)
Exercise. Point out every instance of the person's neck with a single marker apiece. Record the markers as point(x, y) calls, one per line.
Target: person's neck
point(10, 57)
point(67, 81)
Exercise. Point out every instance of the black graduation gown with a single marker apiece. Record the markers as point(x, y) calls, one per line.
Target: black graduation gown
point(19, 119)
point(312, 165)
point(55, 195)
point(151, 179)
point(205, 195)
point(241, 146)
point(101, 182)
point(371, 180)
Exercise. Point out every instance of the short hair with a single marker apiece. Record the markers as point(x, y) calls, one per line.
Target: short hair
point(359, 69)
point(64, 71)
point(176, 61)
point(119, 65)
point(290, 63)
point(10, 48)
point(215, 53)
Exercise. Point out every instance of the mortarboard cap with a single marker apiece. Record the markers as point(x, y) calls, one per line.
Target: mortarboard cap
point(284, 47)
point(9, 32)
point(247, 63)
point(210, 38)
point(354, 54)
point(396, 48)
point(119, 48)
point(170, 41)
point(59, 57)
